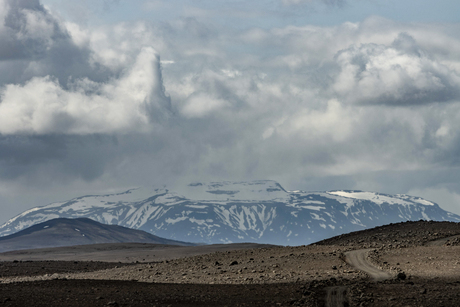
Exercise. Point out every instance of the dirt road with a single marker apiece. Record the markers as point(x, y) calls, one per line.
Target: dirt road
point(336, 296)
point(358, 259)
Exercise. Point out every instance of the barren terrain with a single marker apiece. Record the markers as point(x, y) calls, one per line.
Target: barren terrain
point(405, 264)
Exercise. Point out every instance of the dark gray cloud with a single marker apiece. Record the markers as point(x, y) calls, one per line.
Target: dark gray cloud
point(34, 43)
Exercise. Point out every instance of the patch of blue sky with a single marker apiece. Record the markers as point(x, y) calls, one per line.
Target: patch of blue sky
point(263, 14)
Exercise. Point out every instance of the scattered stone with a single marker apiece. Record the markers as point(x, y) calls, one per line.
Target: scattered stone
point(401, 276)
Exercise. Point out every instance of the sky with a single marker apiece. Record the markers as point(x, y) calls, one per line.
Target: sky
point(104, 95)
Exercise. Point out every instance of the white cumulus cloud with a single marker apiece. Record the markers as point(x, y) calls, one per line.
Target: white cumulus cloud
point(399, 74)
point(42, 106)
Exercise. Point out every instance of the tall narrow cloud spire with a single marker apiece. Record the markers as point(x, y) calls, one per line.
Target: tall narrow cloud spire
point(42, 106)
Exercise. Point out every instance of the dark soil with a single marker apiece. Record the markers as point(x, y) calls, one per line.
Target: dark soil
point(126, 293)
point(413, 292)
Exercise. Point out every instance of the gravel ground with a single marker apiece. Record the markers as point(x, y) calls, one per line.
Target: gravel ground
point(121, 252)
point(46, 268)
point(252, 266)
point(423, 261)
point(269, 276)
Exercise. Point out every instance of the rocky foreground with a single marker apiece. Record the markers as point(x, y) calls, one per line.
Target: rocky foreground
point(422, 258)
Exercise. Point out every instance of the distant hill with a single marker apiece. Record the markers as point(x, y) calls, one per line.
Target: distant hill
point(404, 234)
point(81, 231)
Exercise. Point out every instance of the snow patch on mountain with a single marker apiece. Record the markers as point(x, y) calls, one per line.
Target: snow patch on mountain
point(380, 199)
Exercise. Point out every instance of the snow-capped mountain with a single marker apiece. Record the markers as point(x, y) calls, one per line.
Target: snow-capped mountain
point(224, 212)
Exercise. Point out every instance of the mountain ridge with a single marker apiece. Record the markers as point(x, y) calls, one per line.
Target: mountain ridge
point(230, 212)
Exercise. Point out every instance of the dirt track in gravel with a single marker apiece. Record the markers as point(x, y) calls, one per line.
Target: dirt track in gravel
point(359, 260)
point(268, 276)
point(336, 295)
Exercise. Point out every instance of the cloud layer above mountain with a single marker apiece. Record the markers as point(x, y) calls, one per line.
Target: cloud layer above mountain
point(358, 105)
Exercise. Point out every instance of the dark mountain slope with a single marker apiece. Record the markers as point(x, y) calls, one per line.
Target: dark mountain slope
point(81, 231)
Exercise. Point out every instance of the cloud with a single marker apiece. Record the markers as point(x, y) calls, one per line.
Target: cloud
point(444, 196)
point(91, 108)
point(42, 106)
point(199, 105)
point(25, 23)
point(399, 74)
point(62, 84)
point(36, 43)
